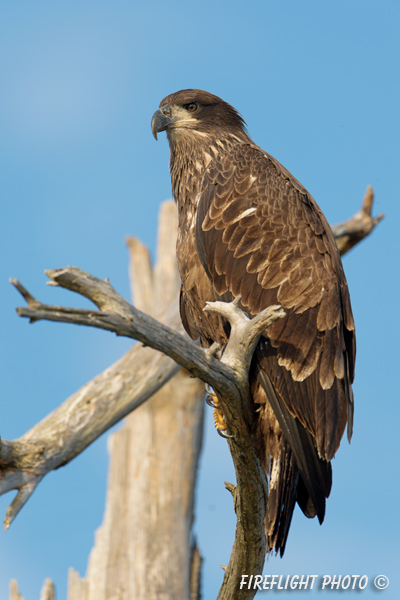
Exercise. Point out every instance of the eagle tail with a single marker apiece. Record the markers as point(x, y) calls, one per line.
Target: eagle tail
point(295, 471)
point(286, 487)
point(283, 481)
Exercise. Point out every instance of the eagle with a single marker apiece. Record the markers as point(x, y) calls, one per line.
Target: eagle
point(248, 228)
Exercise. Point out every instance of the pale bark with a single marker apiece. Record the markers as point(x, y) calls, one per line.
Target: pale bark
point(81, 419)
point(14, 592)
point(77, 587)
point(359, 226)
point(143, 548)
point(48, 592)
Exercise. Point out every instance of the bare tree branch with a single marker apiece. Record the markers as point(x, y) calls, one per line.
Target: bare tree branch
point(228, 377)
point(14, 592)
point(354, 230)
point(48, 591)
point(140, 270)
point(82, 418)
point(195, 573)
point(24, 462)
point(120, 317)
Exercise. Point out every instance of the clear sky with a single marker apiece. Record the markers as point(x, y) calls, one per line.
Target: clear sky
point(318, 84)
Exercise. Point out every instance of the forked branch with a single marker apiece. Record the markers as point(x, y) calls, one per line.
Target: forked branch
point(63, 434)
point(351, 232)
point(228, 377)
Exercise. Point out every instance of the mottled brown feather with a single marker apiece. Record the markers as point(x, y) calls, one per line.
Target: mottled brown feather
point(284, 258)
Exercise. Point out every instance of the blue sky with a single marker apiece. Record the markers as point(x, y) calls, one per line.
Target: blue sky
point(318, 85)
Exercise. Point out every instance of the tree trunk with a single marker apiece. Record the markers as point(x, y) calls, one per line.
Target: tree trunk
point(144, 547)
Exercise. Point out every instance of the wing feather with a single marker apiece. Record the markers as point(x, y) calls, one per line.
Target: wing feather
point(261, 235)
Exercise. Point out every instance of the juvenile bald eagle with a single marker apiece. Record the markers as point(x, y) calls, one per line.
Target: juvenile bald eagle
point(248, 227)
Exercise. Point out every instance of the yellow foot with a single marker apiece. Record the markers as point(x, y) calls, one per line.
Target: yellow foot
point(219, 419)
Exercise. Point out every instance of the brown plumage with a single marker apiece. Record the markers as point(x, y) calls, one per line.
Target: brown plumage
point(248, 227)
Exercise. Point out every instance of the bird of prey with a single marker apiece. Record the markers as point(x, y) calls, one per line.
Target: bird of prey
point(248, 228)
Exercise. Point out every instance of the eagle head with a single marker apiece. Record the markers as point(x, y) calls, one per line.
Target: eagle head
point(195, 111)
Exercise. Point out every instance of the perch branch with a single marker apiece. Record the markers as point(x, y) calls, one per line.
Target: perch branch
point(351, 232)
point(228, 377)
point(250, 492)
point(246, 332)
point(120, 317)
point(83, 417)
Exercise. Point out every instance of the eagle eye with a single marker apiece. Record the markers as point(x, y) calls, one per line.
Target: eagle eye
point(192, 107)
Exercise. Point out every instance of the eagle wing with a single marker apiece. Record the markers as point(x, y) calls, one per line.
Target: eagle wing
point(259, 234)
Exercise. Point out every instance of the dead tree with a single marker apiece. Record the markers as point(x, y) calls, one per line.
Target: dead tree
point(144, 543)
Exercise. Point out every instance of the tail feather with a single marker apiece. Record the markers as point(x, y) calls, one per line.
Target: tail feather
point(295, 471)
point(284, 476)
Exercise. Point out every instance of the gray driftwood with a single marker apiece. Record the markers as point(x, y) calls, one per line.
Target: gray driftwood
point(47, 592)
point(228, 377)
point(116, 392)
point(145, 534)
point(354, 230)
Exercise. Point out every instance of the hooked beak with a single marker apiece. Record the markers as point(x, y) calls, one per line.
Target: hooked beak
point(161, 120)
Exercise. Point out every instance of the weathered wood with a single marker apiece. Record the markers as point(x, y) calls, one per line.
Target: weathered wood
point(22, 456)
point(77, 587)
point(195, 573)
point(142, 548)
point(14, 593)
point(351, 232)
point(120, 317)
point(228, 377)
point(23, 462)
point(81, 419)
point(140, 271)
point(48, 591)
point(166, 277)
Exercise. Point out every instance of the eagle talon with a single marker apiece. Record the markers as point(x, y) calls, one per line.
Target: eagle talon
point(223, 434)
point(211, 397)
point(210, 401)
